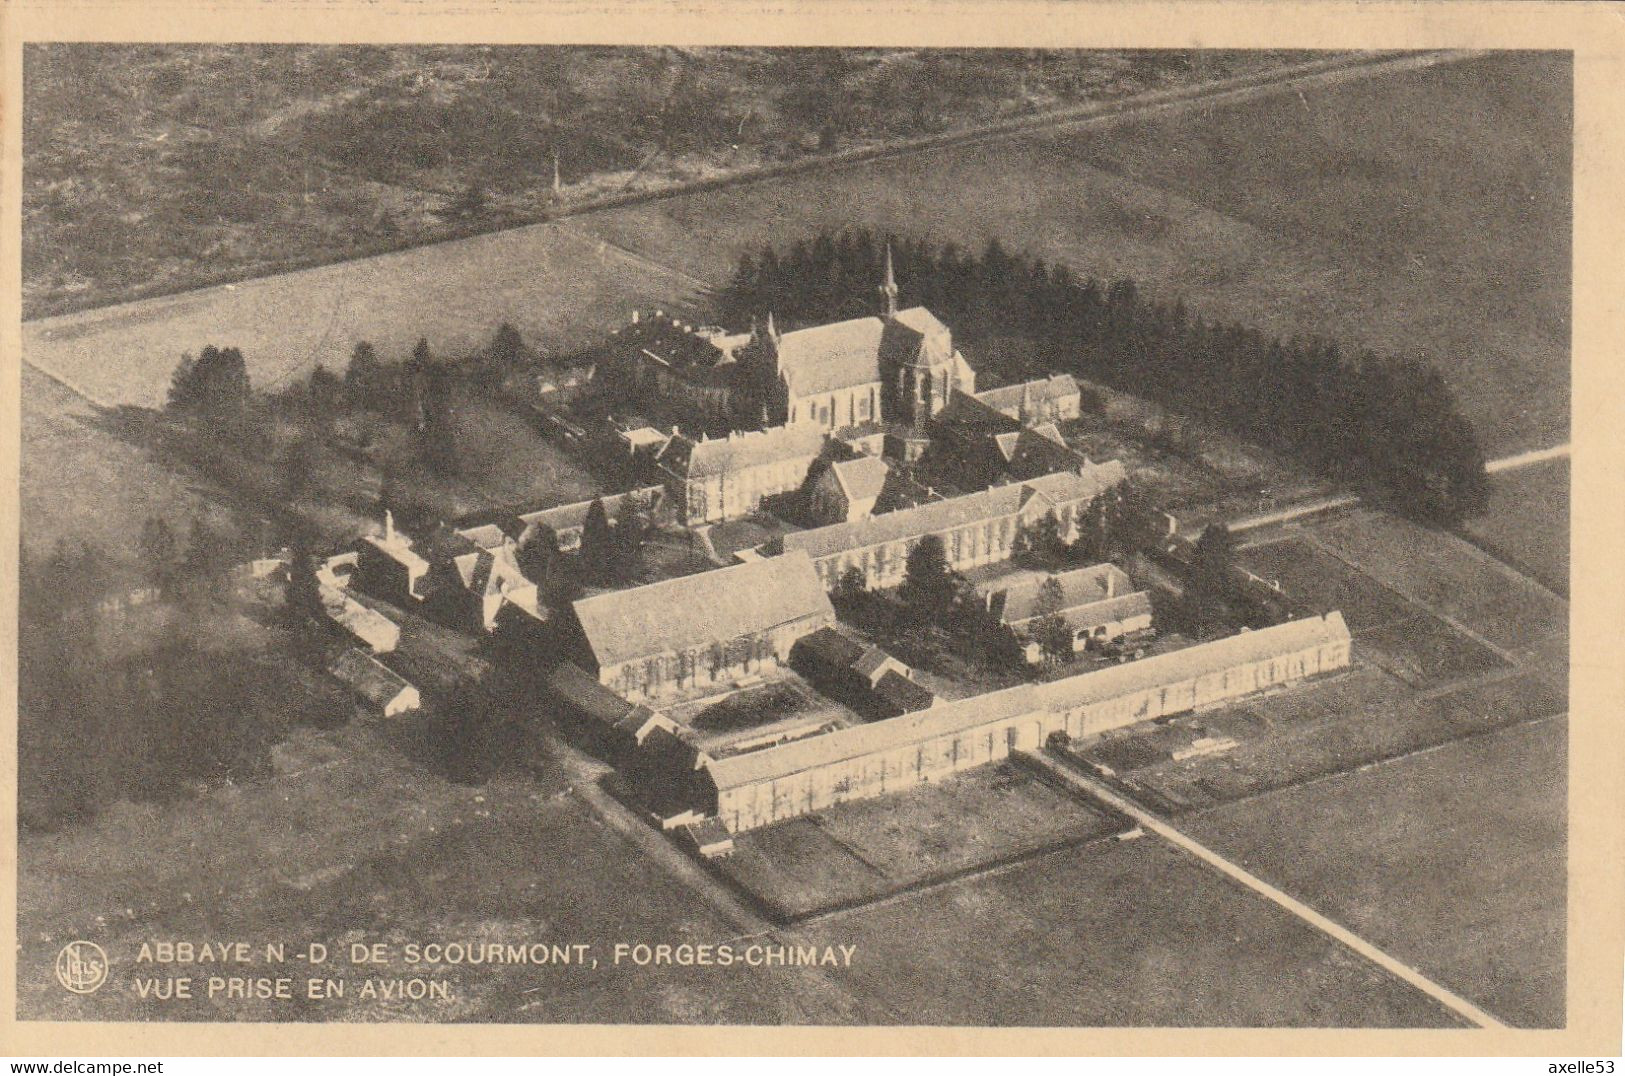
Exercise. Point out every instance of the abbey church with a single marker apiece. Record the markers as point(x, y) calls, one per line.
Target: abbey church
point(897, 369)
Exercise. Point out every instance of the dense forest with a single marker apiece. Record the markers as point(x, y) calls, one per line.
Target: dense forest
point(1387, 424)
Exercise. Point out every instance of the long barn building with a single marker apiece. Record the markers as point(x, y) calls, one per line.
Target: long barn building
point(761, 787)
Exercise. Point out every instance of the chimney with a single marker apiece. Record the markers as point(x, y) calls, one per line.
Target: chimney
point(634, 317)
point(389, 526)
point(1173, 524)
point(1111, 584)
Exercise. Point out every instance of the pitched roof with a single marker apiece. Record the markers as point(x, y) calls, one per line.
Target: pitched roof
point(364, 622)
point(697, 610)
point(568, 516)
point(1193, 662)
point(490, 571)
point(1101, 685)
point(935, 517)
point(1039, 391)
point(839, 355)
point(400, 550)
point(905, 694)
point(369, 678)
point(1111, 610)
point(921, 321)
point(1016, 597)
point(859, 740)
point(708, 457)
point(486, 535)
point(861, 479)
point(832, 646)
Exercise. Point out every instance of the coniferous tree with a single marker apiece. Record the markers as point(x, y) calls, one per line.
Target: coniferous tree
point(364, 378)
point(597, 554)
point(1049, 628)
point(928, 583)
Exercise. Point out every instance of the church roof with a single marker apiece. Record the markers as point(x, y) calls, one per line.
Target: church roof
point(845, 354)
point(825, 358)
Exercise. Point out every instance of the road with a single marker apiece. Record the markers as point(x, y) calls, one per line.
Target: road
point(1348, 500)
point(1528, 459)
point(1154, 825)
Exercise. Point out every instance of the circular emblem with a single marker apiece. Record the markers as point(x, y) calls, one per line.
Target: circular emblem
point(81, 966)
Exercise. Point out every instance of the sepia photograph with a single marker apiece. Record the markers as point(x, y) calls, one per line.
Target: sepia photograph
point(794, 535)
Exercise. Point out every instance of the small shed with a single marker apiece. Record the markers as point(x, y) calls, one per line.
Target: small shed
point(710, 838)
point(382, 688)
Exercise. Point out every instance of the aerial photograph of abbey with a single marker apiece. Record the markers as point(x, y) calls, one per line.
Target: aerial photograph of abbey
point(773, 536)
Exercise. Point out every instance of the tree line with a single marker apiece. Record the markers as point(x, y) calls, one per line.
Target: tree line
point(1388, 424)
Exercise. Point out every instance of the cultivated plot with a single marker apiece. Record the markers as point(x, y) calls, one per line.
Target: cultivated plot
point(1119, 934)
point(1526, 524)
point(862, 851)
point(1449, 577)
point(559, 289)
point(1452, 860)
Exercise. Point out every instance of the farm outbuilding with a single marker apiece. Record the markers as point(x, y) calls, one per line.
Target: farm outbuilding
point(384, 691)
point(757, 788)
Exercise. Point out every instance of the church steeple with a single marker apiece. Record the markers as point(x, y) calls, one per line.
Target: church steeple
point(888, 287)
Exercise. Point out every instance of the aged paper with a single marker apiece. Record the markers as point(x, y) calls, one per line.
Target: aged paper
point(927, 528)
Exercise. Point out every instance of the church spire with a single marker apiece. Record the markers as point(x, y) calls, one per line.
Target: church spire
point(888, 287)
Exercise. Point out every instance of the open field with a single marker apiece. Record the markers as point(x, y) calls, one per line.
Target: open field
point(1426, 652)
point(1527, 522)
point(562, 292)
point(79, 482)
point(1449, 577)
point(862, 850)
point(1226, 239)
point(1117, 934)
point(352, 842)
point(1271, 753)
point(155, 167)
point(1318, 582)
point(1418, 210)
point(1453, 860)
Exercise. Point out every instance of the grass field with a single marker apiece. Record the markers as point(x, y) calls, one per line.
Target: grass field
point(1426, 210)
point(1453, 861)
point(80, 483)
point(562, 292)
point(1275, 751)
point(1449, 577)
point(1118, 934)
point(862, 850)
point(352, 843)
point(1320, 583)
point(1527, 522)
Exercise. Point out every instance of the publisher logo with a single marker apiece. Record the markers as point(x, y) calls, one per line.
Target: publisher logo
point(81, 966)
